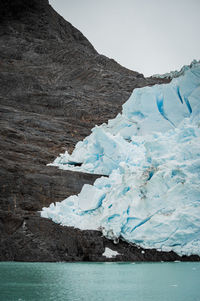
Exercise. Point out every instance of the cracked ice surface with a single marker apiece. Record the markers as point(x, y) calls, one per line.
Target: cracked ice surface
point(151, 153)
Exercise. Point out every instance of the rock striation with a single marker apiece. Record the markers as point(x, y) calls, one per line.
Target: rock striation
point(54, 88)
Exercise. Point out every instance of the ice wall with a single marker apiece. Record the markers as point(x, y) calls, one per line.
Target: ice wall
point(151, 154)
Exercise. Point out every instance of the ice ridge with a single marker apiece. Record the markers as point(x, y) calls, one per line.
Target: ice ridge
point(176, 73)
point(151, 155)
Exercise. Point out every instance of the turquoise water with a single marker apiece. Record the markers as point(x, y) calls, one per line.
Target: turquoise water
point(100, 281)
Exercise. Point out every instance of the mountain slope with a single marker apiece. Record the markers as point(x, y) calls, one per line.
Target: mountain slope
point(54, 88)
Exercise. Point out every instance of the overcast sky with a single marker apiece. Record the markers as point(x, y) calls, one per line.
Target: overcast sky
point(148, 36)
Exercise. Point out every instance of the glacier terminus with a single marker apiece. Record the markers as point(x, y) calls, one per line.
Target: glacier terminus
point(149, 159)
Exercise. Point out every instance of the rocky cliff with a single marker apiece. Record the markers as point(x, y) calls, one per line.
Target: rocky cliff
point(54, 88)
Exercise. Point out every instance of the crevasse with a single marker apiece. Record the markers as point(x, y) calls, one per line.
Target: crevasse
point(151, 154)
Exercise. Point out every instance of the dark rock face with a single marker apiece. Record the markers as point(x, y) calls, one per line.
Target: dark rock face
point(38, 239)
point(54, 88)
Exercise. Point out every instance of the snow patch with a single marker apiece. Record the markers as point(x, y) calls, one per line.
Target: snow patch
point(110, 253)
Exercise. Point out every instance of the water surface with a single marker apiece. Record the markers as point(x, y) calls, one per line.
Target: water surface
point(100, 281)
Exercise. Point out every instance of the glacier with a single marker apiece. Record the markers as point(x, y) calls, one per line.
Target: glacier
point(149, 161)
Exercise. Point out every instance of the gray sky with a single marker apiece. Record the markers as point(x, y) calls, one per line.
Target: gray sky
point(148, 36)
